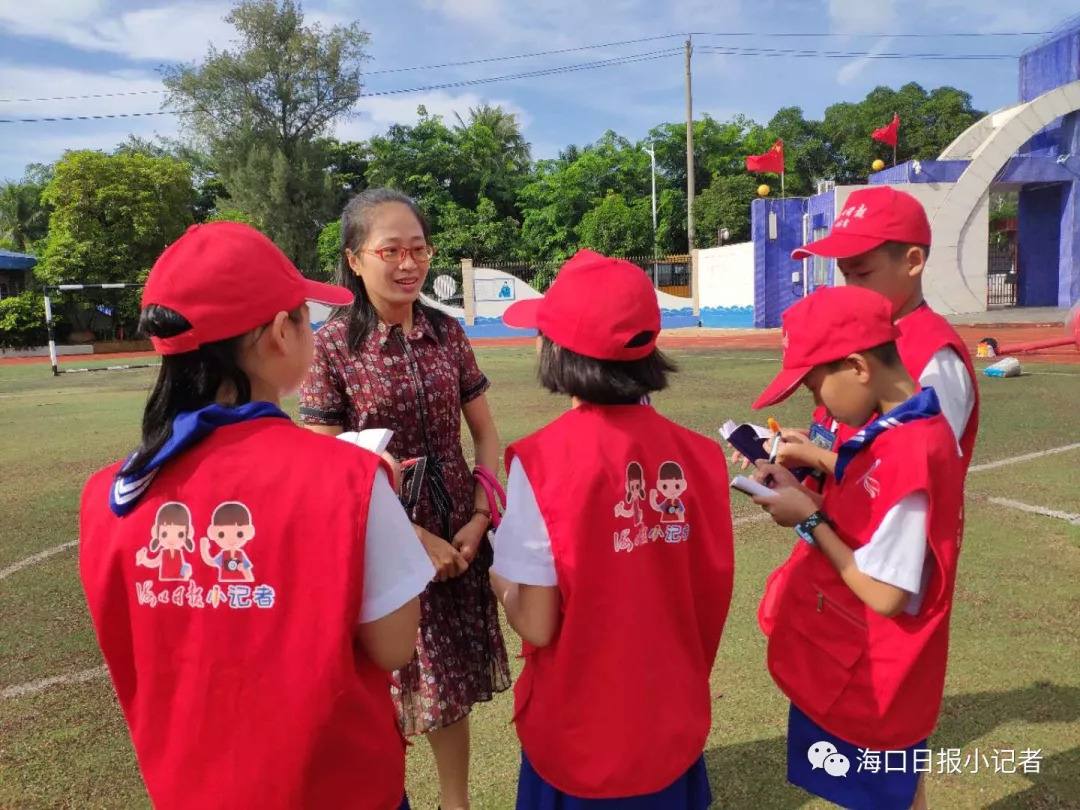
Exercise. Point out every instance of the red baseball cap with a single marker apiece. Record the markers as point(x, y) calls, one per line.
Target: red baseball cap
point(596, 306)
point(828, 325)
point(871, 217)
point(226, 279)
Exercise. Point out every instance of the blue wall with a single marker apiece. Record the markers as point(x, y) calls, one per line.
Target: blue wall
point(1051, 62)
point(930, 171)
point(774, 291)
point(822, 210)
point(1039, 245)
point(1068, 275)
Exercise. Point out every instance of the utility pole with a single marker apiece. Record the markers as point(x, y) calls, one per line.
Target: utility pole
point(655, 247)
point(689, 152)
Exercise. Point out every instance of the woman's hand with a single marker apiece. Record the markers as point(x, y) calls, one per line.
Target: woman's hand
point(395, 467)
point(469, 537)
point(447, 560)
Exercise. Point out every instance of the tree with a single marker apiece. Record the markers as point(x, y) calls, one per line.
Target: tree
point(479, 234)
point(725, 204)
point(24, 216)
point(262, 110)
point(806, 156)
point(563, 191)
point(495, 158)
point(112, 217)
point(22, 320)
point(210, 192)
point(329, 248)
point(347, 166)
point(928, 123)
point(616, 227)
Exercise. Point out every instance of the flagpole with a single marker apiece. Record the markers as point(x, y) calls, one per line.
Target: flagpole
point(896, 140)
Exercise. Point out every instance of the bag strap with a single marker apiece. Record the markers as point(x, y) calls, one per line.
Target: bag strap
point(496, 495)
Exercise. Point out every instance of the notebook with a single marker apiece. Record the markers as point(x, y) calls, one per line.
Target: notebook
point(747, 439)
point(374, 439)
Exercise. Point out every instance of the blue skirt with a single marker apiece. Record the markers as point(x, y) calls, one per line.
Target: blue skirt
point(690, 791)
point(852, 777)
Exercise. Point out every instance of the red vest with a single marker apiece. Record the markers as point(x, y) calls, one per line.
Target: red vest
point(872, 681)
point(245, 692)
point(923, 333)
point(618, 704)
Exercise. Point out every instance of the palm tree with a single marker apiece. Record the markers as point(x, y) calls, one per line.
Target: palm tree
point(23, 218)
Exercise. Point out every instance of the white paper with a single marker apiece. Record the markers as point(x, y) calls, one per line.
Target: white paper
point(730, 427)
point(750, 487)
point(374, 439)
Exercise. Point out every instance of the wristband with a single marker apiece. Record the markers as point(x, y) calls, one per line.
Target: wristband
point(805, 529)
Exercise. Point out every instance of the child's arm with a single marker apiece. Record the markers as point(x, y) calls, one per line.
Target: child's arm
point(796, 450)
point(532, 610)
point(791, 505)
point(881, 597)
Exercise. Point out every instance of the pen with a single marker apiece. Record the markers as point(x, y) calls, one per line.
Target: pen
point(775, 448)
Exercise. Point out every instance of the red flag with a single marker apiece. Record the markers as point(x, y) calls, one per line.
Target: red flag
point(888, 134)
point(772, 161)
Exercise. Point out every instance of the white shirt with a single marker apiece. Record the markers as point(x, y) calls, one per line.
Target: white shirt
point(522, 543)
point(396, 566)
point(946, 373)
point(896, 553)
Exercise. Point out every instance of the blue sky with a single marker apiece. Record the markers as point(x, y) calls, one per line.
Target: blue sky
point(82, 47)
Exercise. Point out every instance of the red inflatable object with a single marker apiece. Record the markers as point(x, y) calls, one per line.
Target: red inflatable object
point(1072, 338)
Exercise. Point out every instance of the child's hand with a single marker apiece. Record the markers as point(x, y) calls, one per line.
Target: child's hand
point(740, 459)
point(788, 505)
point(796, 449)
point(774, 475)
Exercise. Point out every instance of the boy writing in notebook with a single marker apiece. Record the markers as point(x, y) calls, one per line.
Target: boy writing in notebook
point(881, 242)
point(858, 616)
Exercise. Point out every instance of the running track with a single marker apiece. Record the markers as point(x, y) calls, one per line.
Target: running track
point(735, 339)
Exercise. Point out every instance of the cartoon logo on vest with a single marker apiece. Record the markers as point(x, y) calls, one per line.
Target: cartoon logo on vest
point(171, 536)
point(630, 506)
point(824, 755)
point(671, 483)
point(231, 529)
point(870, 484)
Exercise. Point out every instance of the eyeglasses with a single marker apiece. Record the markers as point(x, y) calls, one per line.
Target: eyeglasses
point(396, 255)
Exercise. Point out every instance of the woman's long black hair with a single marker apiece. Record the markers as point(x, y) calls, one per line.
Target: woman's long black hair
point(186, 382)
point(361, 316)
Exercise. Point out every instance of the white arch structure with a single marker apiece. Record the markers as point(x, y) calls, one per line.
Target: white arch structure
point(989, 144)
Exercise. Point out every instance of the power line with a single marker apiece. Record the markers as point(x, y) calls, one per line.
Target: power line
point(617, 43)
point(952, 34)
point(623, 60)
point(818, 54)
point(522, 55)
point(383, 72)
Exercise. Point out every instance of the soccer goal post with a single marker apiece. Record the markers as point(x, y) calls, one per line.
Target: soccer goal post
point(57, 289)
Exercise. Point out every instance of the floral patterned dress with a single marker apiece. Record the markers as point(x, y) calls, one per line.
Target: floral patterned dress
point(415, 385)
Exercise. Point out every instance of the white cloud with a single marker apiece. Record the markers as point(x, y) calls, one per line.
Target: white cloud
point(177, 32)
point(849, 72)
point(46, 141)
point(862, 16)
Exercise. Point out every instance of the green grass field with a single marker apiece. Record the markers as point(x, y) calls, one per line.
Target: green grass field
point(1014, 674)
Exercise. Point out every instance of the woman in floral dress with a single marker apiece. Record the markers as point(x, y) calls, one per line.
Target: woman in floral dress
point(391, 362)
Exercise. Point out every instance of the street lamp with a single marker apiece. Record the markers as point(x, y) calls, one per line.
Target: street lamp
point(655, 247)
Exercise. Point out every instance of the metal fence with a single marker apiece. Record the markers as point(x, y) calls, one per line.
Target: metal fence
point(1001, 277)
point(670, 274)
